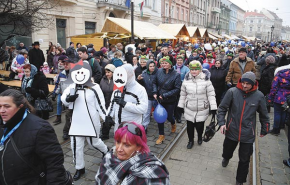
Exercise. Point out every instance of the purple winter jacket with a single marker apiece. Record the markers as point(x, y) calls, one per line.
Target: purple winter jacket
point(280, 87)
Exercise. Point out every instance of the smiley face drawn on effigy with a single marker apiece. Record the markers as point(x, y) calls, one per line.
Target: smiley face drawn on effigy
point(81, 76)
point(120, 77)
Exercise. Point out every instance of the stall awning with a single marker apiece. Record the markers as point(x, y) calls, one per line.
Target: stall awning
point(253, 38)
point(215, 35)
point(227, 36)
point(110, 35)
point(212, 37)
point(143, 30)
point(203, 33)
point(177, 30)
point(193, 32)
point(235, 37)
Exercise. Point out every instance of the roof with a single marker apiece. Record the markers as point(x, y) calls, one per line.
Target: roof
point(193, 31)
point(203, 33)
point(143, 30)
point(175, 29)
point(247, 14)
point(215, 35)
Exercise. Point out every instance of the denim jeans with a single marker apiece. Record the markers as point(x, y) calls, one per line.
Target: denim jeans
point(170, 117)
point(59, 105)
point(279, 116)
point(146, 119)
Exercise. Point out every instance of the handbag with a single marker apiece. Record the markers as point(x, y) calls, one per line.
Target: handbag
point(43, 104)
point(210, 130)
point(41, 173)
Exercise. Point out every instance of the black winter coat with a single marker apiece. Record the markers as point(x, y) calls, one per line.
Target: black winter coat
point(107, 88)
point(138, 71)
point(167, 85)
point(96, 69)
point(267, 76)
point(241, 108)
point(147, 82)
point(38, 144)
point(39, 83)
point(217, 78)
point(36, 57)
point(71, 53)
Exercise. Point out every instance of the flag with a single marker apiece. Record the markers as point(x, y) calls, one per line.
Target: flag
point(141, 8)
point(128, 3)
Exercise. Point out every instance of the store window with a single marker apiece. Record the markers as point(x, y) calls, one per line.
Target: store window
point(61, 32)
point(90, 27)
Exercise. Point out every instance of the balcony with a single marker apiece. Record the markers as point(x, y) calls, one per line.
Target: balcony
point(211, 25)
point(115, 4)
point(216, 10)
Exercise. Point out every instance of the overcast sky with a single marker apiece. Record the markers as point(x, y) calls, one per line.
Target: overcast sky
point(280, 7)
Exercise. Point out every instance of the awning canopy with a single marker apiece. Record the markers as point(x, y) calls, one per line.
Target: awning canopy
point(203, 33)
point(215, 35)
point(193, 32)
point(110, 35)
point(235, 37)
point(177, 30)
point(212, 37)
point(253, 38)
point(143, 30)
point(227, 36)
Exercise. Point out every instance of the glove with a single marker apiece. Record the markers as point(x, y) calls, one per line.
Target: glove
point(109, 121)
point(71, 98)
point(213, 112)
point(53, 96)
point(120, 101)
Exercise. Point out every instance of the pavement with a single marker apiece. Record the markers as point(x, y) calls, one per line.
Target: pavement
point(200, 165)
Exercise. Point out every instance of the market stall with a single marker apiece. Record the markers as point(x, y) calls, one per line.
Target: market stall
point(177, 30)
point(204, 34)
point(194, 34)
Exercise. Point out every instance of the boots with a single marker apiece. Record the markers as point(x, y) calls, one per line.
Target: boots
point(190, 145)
point(173, 128)
point(78, 174)
point(57, 120)
point(160, 139)
point(275, 131)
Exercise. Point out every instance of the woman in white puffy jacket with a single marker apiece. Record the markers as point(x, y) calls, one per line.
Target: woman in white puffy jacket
point(197, 97)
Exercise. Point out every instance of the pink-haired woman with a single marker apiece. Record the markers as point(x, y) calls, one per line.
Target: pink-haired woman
point(130, 162)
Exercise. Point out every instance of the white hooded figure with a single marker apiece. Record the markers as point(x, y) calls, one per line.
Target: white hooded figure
point(127, 106)
point(87, 101)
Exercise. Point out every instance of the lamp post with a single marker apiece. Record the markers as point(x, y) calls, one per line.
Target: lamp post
point(132, 22)
point(272, 29)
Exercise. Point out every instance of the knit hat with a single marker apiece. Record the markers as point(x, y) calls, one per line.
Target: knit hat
point(179, 56)
point(230, 54)
point(243, 50)
point(249, 47)
point(222, 50)
point(104, 50)
point(117, 62)
point(62, 57)
point(249, 77)
point(209, 55)
point(182, 51)
point(270, 59)
point(195, 65)
point(143, 57)
point(200, 49)
point(110, 67)
point(166, 59)
point(194, 51)
point(70, 43)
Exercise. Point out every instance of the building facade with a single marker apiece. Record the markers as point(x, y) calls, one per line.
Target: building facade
point(257, 25)
point(285, 33)
point(224, 19)
point(175, 11)
point(241, 21)
point(213, 15)
point(233, 19)
point(77, 17)
point(277, 23)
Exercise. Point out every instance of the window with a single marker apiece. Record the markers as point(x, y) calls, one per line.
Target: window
point(172, 12)
point(166, 10)
point(260, 21)
point(147, 2)
point(90, 27)
point(177, 13)
point(259, 29)
point(61, 32)
point(153, 5)
point(186, 15)
point(182, 14)
point(200, 4)
point(251, 29)
point(251, 21)
point(191, 17)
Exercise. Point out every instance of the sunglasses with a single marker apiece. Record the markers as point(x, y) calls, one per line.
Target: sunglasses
point(131, 128)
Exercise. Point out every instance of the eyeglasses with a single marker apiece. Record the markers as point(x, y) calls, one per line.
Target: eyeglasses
point(132, 128)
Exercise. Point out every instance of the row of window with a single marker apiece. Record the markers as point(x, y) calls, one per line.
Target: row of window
point(178, 14)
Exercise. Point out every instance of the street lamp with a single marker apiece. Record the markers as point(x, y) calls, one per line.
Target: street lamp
point(268, 36)
point(272, 29)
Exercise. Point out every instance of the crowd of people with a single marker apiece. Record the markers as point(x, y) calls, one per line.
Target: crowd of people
point(236, 79)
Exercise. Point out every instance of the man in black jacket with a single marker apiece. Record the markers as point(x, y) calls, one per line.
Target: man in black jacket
point(71, 52)
point(129, 56)
point(36, 56)
point(96, 68)
point(242, 102)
